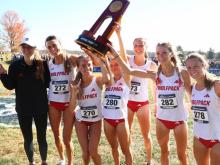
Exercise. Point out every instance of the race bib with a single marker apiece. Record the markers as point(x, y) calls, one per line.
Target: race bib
point(200, 114)
point(112, 102)
point(135, 87)
point(89, 112)
point(168, 101)
point(60, 87)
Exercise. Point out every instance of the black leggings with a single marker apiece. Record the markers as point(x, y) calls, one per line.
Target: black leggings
point(25, 123)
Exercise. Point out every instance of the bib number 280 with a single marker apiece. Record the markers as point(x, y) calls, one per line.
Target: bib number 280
point(111, 102)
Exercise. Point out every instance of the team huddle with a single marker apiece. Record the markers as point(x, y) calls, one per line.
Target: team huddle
point(79, 98)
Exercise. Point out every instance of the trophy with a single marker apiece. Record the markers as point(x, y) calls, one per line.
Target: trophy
point(98, 45)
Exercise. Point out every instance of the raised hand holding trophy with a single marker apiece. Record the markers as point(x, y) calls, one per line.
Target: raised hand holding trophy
point(98, 45)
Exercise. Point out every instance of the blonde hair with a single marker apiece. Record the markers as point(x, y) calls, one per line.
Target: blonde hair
point(209, 78)
point(174, 59)
point(40, 66)
point(145, 44)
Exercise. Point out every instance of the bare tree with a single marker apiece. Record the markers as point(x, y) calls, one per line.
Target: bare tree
point(2, 44)
point(14, 30)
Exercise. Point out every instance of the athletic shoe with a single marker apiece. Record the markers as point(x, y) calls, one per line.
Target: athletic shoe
point(61, 162)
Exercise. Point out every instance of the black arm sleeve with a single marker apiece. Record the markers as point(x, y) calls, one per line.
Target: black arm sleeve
point(9, 80)
point(46, 74)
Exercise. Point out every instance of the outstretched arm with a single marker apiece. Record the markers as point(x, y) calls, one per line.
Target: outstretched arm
point(128, 70)
point(187, 85)
point(73, 58)
point(106, 77)
point(95, 61)
point(187, 81)
point(217, 87)
point(73, 97)
point(122, 51)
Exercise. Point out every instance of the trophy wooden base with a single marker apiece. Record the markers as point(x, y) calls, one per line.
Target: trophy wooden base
point(96, 46)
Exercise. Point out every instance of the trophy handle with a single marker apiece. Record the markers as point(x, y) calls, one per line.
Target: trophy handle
point(116, 17)
point(98, 45)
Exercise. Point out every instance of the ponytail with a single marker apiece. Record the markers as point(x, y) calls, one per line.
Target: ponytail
point(67, 63)
point(209, 81)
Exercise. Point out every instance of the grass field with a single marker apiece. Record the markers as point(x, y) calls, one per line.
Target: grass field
point(12, 152)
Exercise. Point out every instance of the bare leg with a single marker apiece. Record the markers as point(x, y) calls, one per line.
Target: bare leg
point(82, 135)
point(215, 154)
point(163, 139)
point(68, 120)
point(55, 119)
point(94, 138)
point(123, 137)
point(201, 152)
point(181, 134)
point(110, 133)
point(144, 116)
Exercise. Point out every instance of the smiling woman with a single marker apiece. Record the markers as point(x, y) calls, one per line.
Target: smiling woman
point(205, 100)
point(61, 68)
point(29, 77)
point(88, 113)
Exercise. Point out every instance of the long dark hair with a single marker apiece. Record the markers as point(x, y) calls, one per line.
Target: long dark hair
point(67, 63)
point(79, 74)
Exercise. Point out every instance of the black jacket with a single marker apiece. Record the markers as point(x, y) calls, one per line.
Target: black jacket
point(31, 93)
